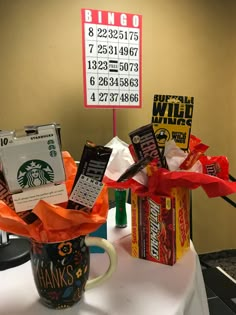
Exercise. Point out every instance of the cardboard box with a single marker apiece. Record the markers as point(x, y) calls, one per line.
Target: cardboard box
point(182, 208)
point(160, 226)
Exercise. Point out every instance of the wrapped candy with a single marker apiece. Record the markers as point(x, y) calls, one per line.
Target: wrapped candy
point(215, 166)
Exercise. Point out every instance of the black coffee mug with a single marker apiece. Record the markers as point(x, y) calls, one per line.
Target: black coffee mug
point(61, 270)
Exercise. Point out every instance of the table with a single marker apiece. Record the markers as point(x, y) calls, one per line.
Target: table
point(138, 287)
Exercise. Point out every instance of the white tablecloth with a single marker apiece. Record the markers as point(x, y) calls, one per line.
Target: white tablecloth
point(137, 287)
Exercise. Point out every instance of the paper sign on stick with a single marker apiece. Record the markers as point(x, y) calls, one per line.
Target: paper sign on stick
point(172, 119)
point(112, 65)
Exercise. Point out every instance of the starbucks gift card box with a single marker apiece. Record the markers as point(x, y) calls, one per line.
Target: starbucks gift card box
point(33, 167)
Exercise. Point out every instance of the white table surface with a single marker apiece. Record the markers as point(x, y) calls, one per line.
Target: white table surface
point(138, 287)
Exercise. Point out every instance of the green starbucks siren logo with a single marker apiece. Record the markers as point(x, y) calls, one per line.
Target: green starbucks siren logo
point(35, 173)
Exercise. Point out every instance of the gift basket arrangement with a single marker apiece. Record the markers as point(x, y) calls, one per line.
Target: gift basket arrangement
point(46, 198)
point(168, 162)
point(56, 205)
point(38, 188)
point(160, 195)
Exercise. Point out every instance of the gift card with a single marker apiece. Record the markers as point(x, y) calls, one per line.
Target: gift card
point(31, 161)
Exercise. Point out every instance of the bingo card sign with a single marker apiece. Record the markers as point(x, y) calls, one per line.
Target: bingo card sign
point(112, 59)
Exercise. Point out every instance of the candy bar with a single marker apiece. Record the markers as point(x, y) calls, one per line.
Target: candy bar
point(215, 166)
point(93, 164)
point(145, 144)
point(193, 156)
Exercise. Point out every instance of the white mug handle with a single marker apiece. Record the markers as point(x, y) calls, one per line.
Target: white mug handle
point(110, 250)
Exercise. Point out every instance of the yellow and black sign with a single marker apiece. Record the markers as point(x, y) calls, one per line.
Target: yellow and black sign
point(172, 119)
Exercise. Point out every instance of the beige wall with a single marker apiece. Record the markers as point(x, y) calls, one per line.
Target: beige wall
point(188, 49)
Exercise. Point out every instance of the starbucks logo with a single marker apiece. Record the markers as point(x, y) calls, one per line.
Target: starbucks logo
point(35, 173)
